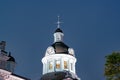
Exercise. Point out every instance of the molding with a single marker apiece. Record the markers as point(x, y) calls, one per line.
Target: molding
point(6, 75)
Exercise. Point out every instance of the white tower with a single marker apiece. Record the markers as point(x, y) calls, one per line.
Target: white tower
point(59, 60)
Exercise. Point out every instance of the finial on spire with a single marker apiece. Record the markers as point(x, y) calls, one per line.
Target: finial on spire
point(58, 22)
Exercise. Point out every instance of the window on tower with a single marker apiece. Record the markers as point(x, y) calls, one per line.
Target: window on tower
point(65, 65)
point(2, 64)
point(50, 65)
point(57, 64)
point(71, 64)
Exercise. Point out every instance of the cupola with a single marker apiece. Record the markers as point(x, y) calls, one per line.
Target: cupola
point(59, 60)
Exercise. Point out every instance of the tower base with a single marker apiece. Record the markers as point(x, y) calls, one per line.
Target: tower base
point(59, 75)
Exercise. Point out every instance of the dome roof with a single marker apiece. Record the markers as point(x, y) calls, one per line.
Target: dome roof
point(58, 30)
point(60, 47)
point(11, 58)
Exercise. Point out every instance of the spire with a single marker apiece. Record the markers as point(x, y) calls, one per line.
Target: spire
point(58, 26)
point(58, 22)
point(58, 34)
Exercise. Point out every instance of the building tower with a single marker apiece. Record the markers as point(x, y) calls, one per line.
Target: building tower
point(7, 62)
point(59, 60)
point(7, 65)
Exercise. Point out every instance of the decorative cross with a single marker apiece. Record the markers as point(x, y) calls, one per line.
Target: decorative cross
point(58, 22)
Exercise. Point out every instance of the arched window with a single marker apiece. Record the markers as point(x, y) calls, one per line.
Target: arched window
point(50, 65)
point(57, 64)
point(65, 65)
point(71, 66)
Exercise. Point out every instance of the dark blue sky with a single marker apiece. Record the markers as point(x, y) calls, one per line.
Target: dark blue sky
point(91, 27)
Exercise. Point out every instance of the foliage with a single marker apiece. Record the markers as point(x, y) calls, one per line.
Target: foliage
point(112, 66)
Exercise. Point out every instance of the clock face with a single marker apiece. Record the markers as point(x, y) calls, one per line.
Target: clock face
point(71, 51)
point(50, 50)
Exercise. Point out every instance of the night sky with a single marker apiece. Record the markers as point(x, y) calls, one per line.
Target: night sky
point(91, 27)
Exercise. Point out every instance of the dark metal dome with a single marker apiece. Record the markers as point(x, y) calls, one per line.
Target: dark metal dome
point(11, 58)
point(58, 30)
point(60, 47)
